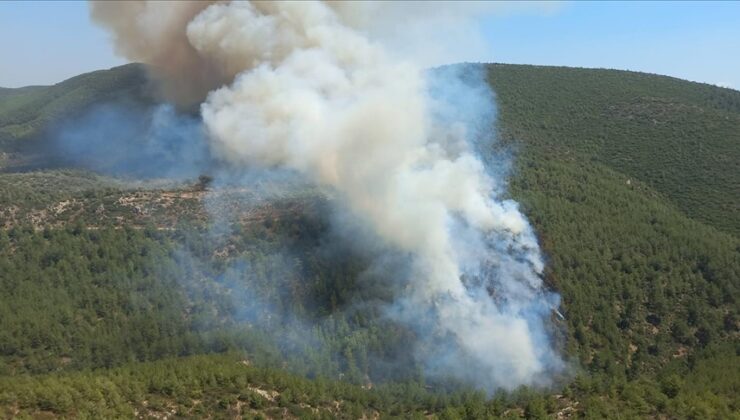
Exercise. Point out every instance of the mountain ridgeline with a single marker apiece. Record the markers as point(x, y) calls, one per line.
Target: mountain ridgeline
point(118, 298)
point(26, 112)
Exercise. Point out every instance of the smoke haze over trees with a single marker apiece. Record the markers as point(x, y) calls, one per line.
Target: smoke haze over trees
point(299, 86)
point(203, 271)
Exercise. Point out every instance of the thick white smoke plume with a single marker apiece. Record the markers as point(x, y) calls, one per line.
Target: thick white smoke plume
point(303, 86)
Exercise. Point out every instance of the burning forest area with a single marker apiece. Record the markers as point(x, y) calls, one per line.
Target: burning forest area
point(300, 95)
point(329, 209)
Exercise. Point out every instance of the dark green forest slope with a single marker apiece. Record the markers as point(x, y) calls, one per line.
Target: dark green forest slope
point(25, 112)
point(118, 300)
point(678, 137)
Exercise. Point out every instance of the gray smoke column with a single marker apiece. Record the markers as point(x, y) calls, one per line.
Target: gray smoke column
point(303, 86)
point(153, 32)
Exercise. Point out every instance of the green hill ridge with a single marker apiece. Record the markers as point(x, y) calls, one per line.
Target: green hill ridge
point(27, 110)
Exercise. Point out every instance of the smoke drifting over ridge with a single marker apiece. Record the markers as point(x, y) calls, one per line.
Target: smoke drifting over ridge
point(304, 86)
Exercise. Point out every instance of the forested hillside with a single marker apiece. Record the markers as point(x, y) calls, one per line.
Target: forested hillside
point(26, 112)
point(680, 138)
point(120, 299)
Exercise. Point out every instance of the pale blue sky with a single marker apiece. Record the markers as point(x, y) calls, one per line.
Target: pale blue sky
point(46, 42)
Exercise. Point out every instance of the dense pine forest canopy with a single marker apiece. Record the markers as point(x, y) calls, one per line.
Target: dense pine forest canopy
point(118, 298)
